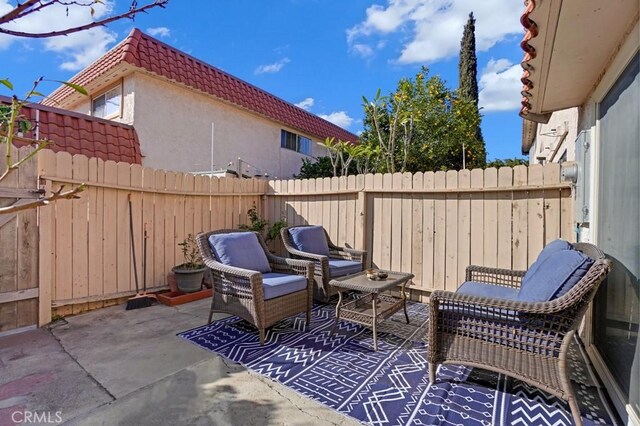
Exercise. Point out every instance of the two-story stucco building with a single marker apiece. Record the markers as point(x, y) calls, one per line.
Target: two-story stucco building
point(192, 117)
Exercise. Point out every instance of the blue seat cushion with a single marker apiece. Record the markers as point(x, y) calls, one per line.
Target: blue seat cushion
point(473, 288)
point(310, 239)
point(548, 250)
point(341, 267)
point(554, 276)
point(276, 285)
point(240, 249)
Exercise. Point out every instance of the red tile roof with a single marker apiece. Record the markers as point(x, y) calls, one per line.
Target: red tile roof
point(154, 56)
point(77, 133)
point(531, 31)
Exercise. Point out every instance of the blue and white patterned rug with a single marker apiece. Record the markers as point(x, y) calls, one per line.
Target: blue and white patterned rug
point(391, 386)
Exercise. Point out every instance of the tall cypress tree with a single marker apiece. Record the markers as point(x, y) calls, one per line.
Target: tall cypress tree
point(468, 71)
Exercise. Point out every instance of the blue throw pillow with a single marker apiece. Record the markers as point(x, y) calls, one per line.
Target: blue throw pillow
point(555, 276)
point(240, 249)
point(553, 247)
point(310, 239)
point(548, 250)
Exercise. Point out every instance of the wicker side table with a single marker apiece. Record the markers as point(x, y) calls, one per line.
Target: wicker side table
point(373, 306)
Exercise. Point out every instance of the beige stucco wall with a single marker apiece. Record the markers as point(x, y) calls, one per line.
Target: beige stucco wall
point(549, 137)
point(174, 126)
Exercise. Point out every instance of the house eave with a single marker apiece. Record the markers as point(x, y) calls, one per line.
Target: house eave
point(567, 46)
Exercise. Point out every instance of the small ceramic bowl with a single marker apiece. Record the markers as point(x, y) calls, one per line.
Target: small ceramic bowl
point(382, 275)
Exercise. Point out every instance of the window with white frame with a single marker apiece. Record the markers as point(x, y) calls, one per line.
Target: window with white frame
point(295, 142)
point(107, 105)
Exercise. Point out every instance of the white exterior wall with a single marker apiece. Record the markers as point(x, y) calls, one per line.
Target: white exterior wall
point(551, 134)
point(174, 126)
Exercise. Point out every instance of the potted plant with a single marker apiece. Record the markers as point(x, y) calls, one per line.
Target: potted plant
point(270, 232)
point(189, 275)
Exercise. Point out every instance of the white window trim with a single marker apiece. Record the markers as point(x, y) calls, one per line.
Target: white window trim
point(117, 114)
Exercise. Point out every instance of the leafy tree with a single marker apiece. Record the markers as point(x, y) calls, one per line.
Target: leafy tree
point(508, 162)
point(322, 167)
point(468, 68)
point(422, 126)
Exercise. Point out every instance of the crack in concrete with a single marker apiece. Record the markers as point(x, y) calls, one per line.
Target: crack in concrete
point(274, 387)
point(93, 379)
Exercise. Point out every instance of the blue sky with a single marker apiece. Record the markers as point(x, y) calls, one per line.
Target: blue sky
point(323, 55)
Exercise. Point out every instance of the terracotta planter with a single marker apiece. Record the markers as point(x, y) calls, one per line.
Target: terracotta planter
point(173, 298)
point(189, 280)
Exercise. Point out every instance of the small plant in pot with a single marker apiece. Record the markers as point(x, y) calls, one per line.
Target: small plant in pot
point(189, 275)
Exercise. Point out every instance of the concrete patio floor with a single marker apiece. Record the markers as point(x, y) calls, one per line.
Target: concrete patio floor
point(113, 366)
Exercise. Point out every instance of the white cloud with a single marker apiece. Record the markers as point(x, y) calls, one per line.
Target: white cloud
point(159, 31)
point(78, 49)
point(362, 49)
point(500, 86)
point(306, 103)
point(272, 68)
point(339, 118)
point(436, 25)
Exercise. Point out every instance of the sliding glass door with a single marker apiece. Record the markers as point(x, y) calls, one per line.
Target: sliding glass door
point(618, 229)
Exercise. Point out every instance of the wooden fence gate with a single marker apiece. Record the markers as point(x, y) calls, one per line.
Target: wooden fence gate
point(18, 246)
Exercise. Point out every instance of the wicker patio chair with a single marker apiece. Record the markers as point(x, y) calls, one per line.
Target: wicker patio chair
point(241, 292)
point(524, 340)
point(324, 264)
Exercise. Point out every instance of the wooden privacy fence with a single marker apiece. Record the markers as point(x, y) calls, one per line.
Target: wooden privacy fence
point(435, 224)
point(85, 244)
point(18, 245)
point(79, 257)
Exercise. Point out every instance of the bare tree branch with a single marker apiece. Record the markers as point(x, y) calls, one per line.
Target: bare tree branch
point(57, 195)
point(11, 16)
point(17, 11)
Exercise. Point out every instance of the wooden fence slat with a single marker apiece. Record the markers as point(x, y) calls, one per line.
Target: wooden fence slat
point(477, 219)
point(520, 220)
point(80, 231)
point(451, 233)
point(387, 215)
point(172, 254)
point(63, 227)
point(535, 217)
point(159, 242)
point(428, 232)
point(551, 175)
point(491, 219)
point(179, 213)
point(46, 234)
point(396, 246)
point(464, 225)
point(406, 224)
point(417, 230)
point(439, 231)
point(149, 224)
point(505, 178)
point(96, 219)
point(109, 241)
point(376, 248)
point(122, 226)
point(138, 239)
point(27, 244)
